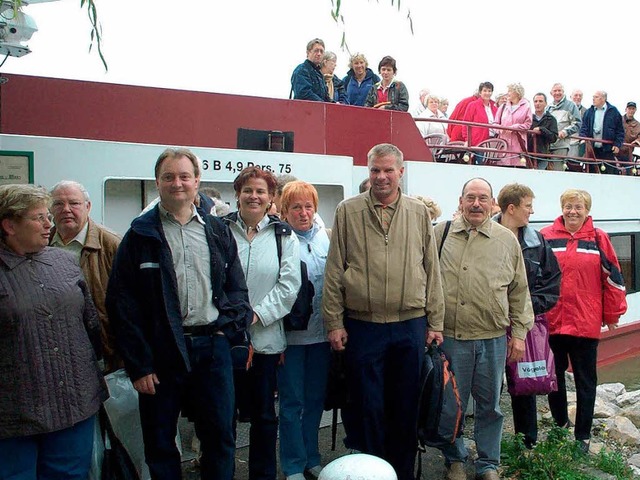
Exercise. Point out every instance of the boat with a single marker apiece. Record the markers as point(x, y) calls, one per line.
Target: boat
point(107, 137)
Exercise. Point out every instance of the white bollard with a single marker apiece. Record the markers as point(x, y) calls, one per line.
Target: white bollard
point(358, 466)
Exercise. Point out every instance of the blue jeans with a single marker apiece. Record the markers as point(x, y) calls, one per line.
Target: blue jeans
point(478, 366)
point(263, 433)
point(207, 396)
point(302, 385)
point(384, 363)
point(64, 454)
point(583, 353)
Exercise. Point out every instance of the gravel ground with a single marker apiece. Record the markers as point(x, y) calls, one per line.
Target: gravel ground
point(432, 459)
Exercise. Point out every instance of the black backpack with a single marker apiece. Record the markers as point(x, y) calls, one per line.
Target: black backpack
point(440, 419)
point(298, 318)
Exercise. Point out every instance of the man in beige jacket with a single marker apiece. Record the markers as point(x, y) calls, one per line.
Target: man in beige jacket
point(382, 289)
point(93, 245)
point(485, 281)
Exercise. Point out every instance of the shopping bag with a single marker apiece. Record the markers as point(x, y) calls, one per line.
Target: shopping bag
point(123, 415)
point(535, 374)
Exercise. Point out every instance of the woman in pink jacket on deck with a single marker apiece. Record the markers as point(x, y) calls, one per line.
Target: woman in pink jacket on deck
point(515, 113)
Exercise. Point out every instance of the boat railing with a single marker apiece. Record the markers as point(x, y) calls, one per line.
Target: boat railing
point(460, 152)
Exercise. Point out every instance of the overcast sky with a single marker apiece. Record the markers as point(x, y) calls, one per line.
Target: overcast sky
point(250, 47)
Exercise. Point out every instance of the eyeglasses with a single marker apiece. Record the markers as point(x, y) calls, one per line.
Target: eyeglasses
point(43, 218)
point(59, 205)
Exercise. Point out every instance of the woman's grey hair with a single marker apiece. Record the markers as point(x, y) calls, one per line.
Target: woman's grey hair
point(16, 200)
point(329, 56)
point(517, 88)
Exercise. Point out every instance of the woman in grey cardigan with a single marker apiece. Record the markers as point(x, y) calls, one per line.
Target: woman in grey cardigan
point(49, 344)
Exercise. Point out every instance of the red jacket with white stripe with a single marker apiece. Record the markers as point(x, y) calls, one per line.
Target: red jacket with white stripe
point(592, 292)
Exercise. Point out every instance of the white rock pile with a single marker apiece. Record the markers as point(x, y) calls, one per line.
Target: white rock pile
point(617, 418)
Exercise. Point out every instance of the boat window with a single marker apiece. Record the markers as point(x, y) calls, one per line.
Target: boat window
point(625, 247)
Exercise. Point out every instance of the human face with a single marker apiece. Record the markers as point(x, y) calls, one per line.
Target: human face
point(598, 99)
point(28, 233)
point(577, 97)
point(315, 54)
point(300, 213)
point(329, 66)
point(177, 183)
point(574, 213)
point(444, 106)
point(513, 97)
point(522, 212)
point(630, 111)
point(557, 92)
point(384, 176)
point(70, 211)
point(539, 104)
point(359, 68)
point(485, 94)
point(254, 199)
point(433, 105)
point(387, 74)
point(476, 202)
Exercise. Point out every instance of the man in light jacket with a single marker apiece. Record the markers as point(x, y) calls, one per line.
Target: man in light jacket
point(485, 281)
point(382, 290)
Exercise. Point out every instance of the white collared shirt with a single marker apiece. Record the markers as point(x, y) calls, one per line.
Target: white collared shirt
point(75, 245)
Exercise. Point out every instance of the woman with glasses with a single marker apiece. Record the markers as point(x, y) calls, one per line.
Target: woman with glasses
point(592, 295)
point(49, 345)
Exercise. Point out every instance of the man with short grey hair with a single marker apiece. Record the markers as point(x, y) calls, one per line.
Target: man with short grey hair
point(382, 301)
point(602, 121)
point(569, 121)
point(93, 245)
point(485, 285)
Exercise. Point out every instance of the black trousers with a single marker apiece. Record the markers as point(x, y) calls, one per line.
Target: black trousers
point(583, 354)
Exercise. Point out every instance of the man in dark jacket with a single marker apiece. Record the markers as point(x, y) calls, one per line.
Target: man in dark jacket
point(545, 125)
point(177, 299)
point(602, 121)
point(543, 275)
point(307, 81)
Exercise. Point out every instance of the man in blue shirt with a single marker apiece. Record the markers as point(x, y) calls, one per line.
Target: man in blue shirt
point(602, 121)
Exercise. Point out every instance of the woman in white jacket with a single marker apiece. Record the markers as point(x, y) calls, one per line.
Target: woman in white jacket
point(302, 377)
point(273, 286)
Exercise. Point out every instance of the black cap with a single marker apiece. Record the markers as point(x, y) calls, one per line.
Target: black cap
point(631, 104)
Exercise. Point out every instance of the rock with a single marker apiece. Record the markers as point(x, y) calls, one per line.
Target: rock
point(609, 391)
point(571, 411)
point(633, 414)
point(628, 398)
point(571, 397)
point(570, 382)
point(622, 430)
point(634, 460)
point(605, 409)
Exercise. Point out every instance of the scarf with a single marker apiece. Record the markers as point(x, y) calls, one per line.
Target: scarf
point(328, 79)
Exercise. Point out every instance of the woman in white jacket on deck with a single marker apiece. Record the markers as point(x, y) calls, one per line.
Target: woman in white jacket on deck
point(273, 286)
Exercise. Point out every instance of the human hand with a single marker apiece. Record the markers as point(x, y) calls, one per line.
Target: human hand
point(338, 339)
point(515, 350)
point(437, 336)
point(256, 319)
point(615, 150)
point(612, 326)
point(147, 384)
point(562, 134)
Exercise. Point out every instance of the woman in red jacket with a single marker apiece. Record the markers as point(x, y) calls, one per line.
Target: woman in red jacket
point(592, 295)
point(482, 110)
